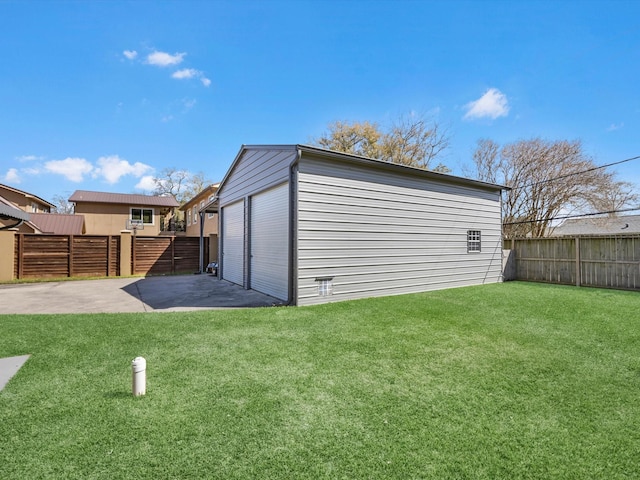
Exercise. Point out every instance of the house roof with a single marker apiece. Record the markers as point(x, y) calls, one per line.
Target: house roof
point(204, 194)
point(371, 162)
point(27, 195)
point(621, 225)
point(87, 196)
point(58, 223)
point(9, 211)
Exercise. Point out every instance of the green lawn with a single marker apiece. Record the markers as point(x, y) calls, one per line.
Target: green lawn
point(507, 380)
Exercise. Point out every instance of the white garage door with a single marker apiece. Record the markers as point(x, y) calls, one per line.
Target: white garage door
point(233, 242)
point(270, 242)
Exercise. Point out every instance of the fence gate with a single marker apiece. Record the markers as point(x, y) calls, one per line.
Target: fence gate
point(166, 255)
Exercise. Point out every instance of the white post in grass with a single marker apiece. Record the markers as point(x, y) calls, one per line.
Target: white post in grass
point(139, 374)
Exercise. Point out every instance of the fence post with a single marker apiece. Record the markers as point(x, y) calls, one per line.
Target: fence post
point(70, 257)
point(125, 253)
point(7, 254)
point(578, 273)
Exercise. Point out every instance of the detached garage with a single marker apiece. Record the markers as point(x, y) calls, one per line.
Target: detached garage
point(307, 226)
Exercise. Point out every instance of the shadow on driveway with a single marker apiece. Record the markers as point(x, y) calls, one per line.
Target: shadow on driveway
point(191, 292)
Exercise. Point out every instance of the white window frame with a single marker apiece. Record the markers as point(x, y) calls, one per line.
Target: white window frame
point(195, 214)
point(474, 241)
point(188, 217)
point(142, 210)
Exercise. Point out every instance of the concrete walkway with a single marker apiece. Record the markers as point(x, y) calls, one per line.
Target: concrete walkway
point(9, 367)
point(119, 295)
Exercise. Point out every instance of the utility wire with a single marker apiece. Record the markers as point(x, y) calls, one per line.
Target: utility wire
point(580, 173)
point(564, 217)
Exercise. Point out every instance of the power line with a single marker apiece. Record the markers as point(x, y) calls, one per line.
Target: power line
point(581, 172)
point(564, 217)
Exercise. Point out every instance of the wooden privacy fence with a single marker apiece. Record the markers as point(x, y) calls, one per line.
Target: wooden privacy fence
point(38, 256)
point(593, 261)
point(57, 256)
point(166, 255)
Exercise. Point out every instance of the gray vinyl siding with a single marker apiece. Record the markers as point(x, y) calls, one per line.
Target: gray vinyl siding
point(255, 171)
point(376, 233)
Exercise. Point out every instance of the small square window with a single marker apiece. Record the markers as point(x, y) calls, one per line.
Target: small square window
point(473, 241)
point(325, 286)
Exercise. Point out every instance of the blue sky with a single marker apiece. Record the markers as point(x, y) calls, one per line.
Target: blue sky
point(103, 95)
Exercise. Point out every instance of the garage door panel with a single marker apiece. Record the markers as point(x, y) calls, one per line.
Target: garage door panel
point(233, 243)
point(270, 242)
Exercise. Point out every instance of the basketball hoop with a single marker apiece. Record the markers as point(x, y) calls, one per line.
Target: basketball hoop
point(135, 225)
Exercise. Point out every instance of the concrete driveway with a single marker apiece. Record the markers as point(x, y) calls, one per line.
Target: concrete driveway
point(113, 295)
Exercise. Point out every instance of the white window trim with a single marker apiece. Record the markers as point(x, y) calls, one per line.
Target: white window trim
point(142, 209)
point(195, 214)
point(474, 241)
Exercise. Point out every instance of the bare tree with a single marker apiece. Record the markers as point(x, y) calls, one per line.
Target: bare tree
point(62, 204)
point(181, 184)
point(411, 140)
point(546, 178)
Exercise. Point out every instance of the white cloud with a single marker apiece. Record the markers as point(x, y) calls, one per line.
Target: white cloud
point(146, 184)
point(186, 73)
point(112, 168)
point(130, 54)
point(73, 169)
point(492, 104)
point(29, 158)
point(163, 59)
point(189, 103)
point(613, 127)
point(12, 176)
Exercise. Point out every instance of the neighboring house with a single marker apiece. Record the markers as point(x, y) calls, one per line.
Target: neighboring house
point(25, 201)
point(623, 225)
point(12, 199)
point(308, 226)
point(192, 214)
point(108, 213)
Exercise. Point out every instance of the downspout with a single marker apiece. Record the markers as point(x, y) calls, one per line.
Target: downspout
point(293, 229)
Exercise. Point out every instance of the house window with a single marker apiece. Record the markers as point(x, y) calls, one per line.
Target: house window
point(325, 286)
point(195, 214)
point(188, 217)
point(473, 241)
point(144, 214)
point(211, 214)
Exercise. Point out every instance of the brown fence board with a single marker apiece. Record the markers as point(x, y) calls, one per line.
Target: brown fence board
point(594, 261)
point(40, 256)
point(165, 255)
